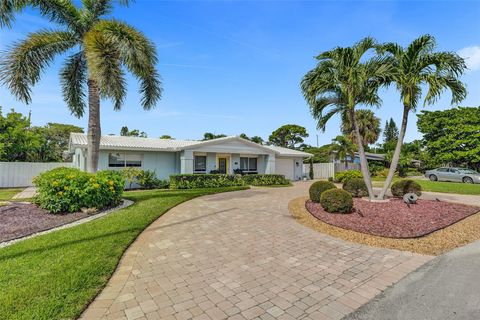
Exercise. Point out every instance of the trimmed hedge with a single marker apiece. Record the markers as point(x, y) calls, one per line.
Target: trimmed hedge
point(356, 187)
point(336, 201)
point(192, 181)
point(401, 187)
point(69, 189)
point(317, 188)
point(346, 175)
point(265, 180)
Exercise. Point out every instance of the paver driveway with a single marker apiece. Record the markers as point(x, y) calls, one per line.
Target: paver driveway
point(241, 255)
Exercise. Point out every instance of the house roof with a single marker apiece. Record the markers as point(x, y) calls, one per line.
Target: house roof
point(373, 156)
point(153, 144)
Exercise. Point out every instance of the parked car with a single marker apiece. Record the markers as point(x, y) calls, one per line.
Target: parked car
point(453, 174)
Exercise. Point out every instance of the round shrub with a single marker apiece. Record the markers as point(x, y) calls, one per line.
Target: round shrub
point(318, 187)
point(401, 187)
point(336, 201)
point(69, 190)
point(356, 187)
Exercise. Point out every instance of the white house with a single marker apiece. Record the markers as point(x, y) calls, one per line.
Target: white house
point(168, 156)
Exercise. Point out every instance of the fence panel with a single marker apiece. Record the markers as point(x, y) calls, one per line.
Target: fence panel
point(320, 170)
point(20, 174)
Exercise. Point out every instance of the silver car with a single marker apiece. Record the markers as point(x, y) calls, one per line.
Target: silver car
point(453, 174)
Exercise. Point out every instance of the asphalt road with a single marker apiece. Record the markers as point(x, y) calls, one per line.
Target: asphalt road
point(448, 287)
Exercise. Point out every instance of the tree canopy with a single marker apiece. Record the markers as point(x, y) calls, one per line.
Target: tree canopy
point(452, 136)
point(134, 133)
point(165, 136)
point(211, 136)
point(368, 124)
point(390, 135)
point(255, 139)
point(288, 136)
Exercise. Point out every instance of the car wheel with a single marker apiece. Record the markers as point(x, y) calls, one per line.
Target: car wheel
point(467, 180)
point(433, 177)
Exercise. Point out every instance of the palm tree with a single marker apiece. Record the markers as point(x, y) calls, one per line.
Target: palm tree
point(368, 124)
point(416, 66)
point(342, 148)
point(342, 79)
point(99, 50)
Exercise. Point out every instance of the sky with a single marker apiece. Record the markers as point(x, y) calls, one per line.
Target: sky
point(235, 67)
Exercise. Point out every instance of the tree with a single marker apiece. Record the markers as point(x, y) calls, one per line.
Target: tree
point(343, 79)
point(165, 136)
point(134, 133)
point(320, 154)
point(310, 172)
point(54, 139)
point(390, 135)
point(211, 136)
point(342, 148)
point(255, 139)
point(452, 136)
point(103, 48)
point(288, 136)
point(17, 140)
point(416, 66)
point(368, 124)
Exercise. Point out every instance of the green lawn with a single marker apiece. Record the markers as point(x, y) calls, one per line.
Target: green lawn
point(8, 193)
point(56, 275)
point(438, 186)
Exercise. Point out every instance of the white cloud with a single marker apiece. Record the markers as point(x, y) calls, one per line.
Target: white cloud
point(471, 56)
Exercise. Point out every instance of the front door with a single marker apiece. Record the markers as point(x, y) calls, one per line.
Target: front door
point(222, 165)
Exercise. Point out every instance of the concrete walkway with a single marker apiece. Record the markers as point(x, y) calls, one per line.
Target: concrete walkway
point(445, 288)
point(241, 255)
point(27, 193)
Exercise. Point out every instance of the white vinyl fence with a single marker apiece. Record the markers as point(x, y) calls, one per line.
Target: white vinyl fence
point(20, 174)
point(320, 170)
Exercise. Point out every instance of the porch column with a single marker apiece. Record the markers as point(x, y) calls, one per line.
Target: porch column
point(270, 164)
point(186, 162)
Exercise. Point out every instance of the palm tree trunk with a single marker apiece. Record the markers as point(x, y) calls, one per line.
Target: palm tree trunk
point(363, 159)
point(396, 154)
point(94, 131)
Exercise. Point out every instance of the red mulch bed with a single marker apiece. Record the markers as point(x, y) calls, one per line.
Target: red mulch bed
point(394, 219)
point(22, 219)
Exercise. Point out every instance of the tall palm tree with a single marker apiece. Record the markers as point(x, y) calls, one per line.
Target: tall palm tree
point(343, 79)
point(342, 148)
point(368, 124)
point(416, 66)
point(99, 50)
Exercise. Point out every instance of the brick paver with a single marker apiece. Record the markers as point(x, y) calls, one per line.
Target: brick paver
point(241, 255)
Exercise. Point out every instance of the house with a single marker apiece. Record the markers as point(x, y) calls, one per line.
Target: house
point(168, 156)
point(369, 155)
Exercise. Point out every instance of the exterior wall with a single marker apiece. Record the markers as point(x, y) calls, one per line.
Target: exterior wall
point(79, 160)
point(163, 164)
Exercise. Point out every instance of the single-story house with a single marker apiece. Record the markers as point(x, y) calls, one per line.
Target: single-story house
point(369, 155)
point(168, 156)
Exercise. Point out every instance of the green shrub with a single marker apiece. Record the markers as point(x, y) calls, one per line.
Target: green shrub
point(330, 179)
point(265, 180)
point(336, 201)
point(401, 187)
point(310, 172)
point(131, 175)
point(69, 189)
point(356, 187)
point(343, 176)
point(384, 173)
point(192, 181)
point(147, 179)
point(318, 187)
point(375, 167)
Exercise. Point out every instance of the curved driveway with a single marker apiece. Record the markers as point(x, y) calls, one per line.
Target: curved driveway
point(241, 255)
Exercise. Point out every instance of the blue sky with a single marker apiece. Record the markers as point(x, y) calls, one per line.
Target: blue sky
point(235, 66)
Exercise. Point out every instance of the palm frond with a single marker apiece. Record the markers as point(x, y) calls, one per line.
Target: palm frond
point(105, 67)
point(98, 8)
point(22, 64)
point(73, 78)
point(138, 54)
point(59, 11)
point(438, 84)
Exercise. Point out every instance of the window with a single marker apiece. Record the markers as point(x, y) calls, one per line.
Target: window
point(200, 163)
point(248, 164)
point(442, 170)
point(122, 160)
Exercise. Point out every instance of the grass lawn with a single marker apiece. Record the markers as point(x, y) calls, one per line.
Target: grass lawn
point(56, 275)
point(8, 193)
point(440, 186)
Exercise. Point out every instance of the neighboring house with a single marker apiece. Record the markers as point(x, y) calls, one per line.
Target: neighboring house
point(369, 155)
point(167, 157)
